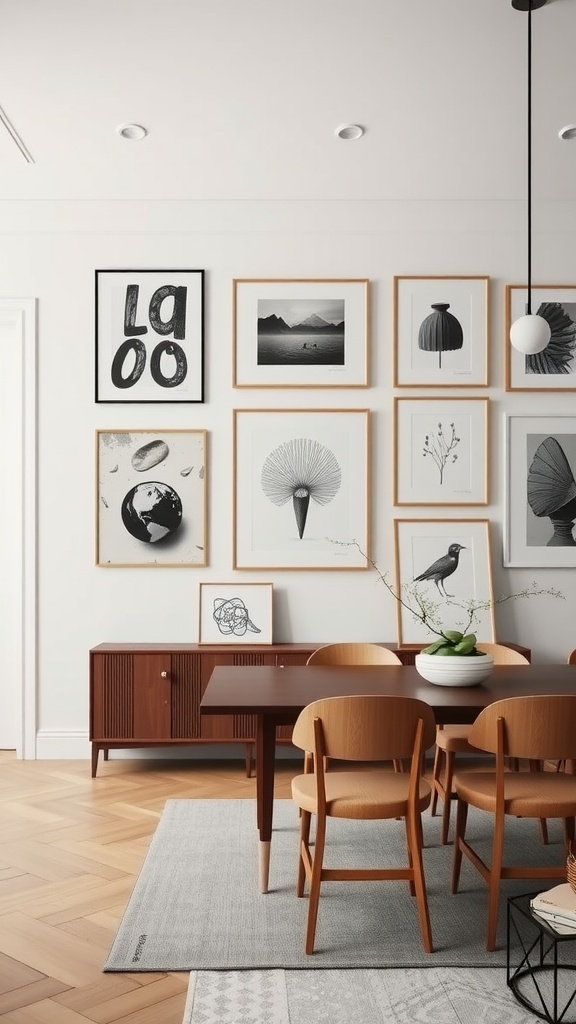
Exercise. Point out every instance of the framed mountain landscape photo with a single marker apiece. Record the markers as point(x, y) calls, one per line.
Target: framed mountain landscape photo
point(441, 331)
point(300, 333)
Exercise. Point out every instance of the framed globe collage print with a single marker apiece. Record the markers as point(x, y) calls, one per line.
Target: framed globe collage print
point(151, 497)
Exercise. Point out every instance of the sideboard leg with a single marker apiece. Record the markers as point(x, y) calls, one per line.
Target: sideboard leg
point(95, 752)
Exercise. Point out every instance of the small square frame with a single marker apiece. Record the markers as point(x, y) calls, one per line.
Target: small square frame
point(539, 466)
point(300, 333)
point(149, 336)
point(554, 369)
point(466, 299)
point(441, 451)
point(301, 483)
point(235, 613)
point(418, 543)
point(168, 461)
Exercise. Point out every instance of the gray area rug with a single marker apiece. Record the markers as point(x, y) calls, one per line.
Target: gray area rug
point(196, 903)
point(438, 995)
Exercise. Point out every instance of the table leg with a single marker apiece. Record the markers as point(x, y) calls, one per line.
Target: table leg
point(265, 753)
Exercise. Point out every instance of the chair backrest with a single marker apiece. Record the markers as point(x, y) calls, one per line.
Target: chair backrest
point(503, 655)
point(364, 727)
point(540, 727)
point(572, 657)
point(353, 654)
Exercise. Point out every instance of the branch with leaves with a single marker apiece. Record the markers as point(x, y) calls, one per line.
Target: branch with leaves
point(426, 610)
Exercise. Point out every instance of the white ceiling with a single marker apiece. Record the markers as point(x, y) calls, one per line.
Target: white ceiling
point(241, 99)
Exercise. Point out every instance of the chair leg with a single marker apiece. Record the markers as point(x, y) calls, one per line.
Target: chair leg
point(315, 883)
point(414, 828)
point(411, 886)
point(448, 777)
point(436, 773)
point(305, 818)
point(461, 818)
point(568, 832)
point(494, 882)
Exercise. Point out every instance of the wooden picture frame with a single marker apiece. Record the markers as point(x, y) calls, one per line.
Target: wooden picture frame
point(149, 336)
point(300, 332)
point(300, 483)
point(540, 492)
point(235, 613)
point(441, 331)
point(441, 451)
point(554, 369)
point(418, 544)
point(151, 498)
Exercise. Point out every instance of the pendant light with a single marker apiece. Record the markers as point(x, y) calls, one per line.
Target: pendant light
point(530, 333)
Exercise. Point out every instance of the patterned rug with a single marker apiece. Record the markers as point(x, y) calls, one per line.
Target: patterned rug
point(437, 995)
point(196, 904)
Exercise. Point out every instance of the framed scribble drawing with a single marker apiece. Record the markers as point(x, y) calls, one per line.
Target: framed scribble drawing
point(440, 451)
point(441, 331)
point(149, 335)
point(540, 512)
point(553, 369)
point(151, 498)
point(235, 613)
point(300, 333)
point(301, 483)
point(447, 562)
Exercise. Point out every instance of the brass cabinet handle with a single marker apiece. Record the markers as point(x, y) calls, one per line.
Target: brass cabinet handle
point(164, 675)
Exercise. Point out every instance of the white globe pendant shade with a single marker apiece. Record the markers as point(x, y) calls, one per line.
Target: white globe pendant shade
point(530, 334)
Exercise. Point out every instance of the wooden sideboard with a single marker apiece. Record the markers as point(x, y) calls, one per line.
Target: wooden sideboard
point(148, 695)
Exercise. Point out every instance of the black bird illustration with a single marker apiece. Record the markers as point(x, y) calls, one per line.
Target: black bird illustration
point(442, 568)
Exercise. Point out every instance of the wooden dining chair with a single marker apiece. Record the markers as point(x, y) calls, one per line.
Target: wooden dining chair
point(353, 654)
point(571, 659)
point(455, 739)
point(362, 728)
point(537, 728)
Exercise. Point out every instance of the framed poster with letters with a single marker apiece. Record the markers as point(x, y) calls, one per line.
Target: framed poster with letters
point(149, 336)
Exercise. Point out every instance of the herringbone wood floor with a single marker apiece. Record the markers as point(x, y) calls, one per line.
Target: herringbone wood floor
point(70, 850)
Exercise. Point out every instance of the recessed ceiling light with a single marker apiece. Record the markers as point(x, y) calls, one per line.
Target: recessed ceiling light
point(568, 132)
point(349, 131)
point(131, 131)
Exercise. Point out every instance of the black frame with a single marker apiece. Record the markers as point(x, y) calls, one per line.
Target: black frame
point(182, 336)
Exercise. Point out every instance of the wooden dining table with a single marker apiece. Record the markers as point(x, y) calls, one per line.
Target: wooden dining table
point(275, 696)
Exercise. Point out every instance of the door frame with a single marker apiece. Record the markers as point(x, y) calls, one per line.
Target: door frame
point(20, 314)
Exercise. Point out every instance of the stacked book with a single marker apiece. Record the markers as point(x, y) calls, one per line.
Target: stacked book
point(557, 907)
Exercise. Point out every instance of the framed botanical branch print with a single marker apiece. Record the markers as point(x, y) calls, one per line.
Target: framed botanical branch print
point(447, 563)
point(235, 613)
point(553, 369)
point(440, 451)
point(151, 498)
point(300, 484)
point(441, 331)
point(149, 335)
point(540, 513)
point(300, 333)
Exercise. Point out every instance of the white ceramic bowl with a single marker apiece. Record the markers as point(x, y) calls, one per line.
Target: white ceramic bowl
point(453, 671)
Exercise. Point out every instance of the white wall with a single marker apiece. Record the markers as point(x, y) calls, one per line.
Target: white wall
point(50, 251)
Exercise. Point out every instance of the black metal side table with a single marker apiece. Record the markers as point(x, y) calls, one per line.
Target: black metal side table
point(544, 978)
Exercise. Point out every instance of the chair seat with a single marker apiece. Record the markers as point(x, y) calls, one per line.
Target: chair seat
point(360, 795)
point(454, 739)
point(526, 794)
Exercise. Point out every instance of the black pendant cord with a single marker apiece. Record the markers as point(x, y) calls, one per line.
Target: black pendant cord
point(529, 304)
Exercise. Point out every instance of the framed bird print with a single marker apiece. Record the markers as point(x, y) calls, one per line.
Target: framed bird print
point(553, 369)
point(540, 513)
point(301, 482)
point(441, 331)
point(443, 566)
